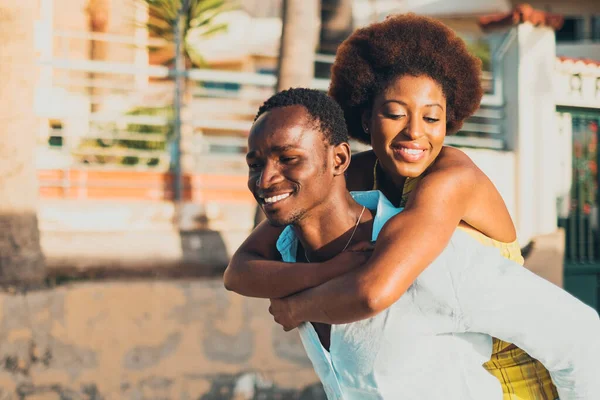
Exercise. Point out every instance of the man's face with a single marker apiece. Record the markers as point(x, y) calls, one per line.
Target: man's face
point(289, 162)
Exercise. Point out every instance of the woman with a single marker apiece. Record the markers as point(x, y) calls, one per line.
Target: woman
point(403, 84)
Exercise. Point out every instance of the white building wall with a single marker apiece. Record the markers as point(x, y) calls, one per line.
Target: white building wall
point(526, 174)
point(537, 150)
point(499, 166)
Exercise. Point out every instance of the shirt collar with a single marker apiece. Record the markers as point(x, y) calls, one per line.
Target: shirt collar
point(287, 244)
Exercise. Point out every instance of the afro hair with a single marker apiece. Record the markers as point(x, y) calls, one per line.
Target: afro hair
point(323, 110)
point(372, 57)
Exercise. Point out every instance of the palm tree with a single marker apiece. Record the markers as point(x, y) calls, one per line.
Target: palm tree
point(21, 258)
point(336, 26)
point(299, 40)
point(182, 22)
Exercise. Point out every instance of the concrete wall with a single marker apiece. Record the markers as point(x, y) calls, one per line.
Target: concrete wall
point(147, 340)
point(531, 127)
point(538, 135)
point(500, 167)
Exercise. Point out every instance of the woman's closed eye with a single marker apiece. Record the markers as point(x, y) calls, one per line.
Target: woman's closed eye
point(394, 116)
point(431, 120)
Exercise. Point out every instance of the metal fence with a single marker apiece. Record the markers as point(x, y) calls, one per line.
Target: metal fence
point(581, 219)
point(109, 116)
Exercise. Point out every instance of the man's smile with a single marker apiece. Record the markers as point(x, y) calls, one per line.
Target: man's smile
point(275, 199)
point(269, 200)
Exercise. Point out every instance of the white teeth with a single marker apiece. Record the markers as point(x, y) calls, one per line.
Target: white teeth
point(412, 151)
point(274, 199)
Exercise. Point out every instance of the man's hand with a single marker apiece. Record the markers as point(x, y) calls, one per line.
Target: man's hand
point(281, 313)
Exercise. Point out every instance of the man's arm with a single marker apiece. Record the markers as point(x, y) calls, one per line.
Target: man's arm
point(256, 269)
point(505, 300)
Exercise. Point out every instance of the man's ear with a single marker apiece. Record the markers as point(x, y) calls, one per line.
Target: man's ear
point(341, 158)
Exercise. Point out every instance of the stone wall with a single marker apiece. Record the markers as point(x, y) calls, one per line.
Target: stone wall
point(188, 339)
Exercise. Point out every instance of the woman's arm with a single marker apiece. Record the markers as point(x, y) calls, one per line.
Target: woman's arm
point(256, 269)
point(406, 245)
point(453, 190)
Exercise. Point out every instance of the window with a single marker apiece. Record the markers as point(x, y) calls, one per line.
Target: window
point(572, 30)
point(595, 30)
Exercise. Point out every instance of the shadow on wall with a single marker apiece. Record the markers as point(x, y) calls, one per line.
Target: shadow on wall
point(21, 257)
point(251, 387)
point(204, 246)
point(246, 386)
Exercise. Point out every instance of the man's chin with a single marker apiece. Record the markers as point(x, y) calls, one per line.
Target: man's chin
point(276, 219)
point(276, 223)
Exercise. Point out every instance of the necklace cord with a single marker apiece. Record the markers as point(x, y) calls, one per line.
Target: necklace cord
point(351, 236)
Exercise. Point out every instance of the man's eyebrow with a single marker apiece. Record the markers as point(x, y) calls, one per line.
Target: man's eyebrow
point(274, 149)
point(281, 149)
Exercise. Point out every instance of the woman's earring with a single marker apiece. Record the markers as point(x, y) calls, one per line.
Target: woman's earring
point(366, 129)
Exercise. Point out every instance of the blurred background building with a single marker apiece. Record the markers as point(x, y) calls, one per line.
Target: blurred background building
point(139, 156)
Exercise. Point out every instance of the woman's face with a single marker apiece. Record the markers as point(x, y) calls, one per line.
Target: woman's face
point(407, 124)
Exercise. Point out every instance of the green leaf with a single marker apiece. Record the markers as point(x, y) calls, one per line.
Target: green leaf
point(200, 17)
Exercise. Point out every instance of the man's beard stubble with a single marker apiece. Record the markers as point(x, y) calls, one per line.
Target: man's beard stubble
point(294, 218)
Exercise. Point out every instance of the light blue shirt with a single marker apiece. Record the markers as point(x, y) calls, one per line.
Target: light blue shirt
point(432, 342)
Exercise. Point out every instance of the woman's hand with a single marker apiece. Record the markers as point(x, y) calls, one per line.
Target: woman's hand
point(281, 313)
point(354, 257)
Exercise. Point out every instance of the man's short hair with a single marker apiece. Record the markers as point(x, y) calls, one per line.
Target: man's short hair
point(324, 111)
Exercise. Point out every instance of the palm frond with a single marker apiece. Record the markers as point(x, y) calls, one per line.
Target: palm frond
point(209, 30)
point(199, 7)
point(200, 17)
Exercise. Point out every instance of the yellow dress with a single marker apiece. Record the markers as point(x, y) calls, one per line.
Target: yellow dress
point(522, 377)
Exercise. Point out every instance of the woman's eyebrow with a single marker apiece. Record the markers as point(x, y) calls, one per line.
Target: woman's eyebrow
point(435, 105)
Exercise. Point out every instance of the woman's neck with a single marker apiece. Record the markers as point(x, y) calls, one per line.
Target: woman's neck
point(391, 187)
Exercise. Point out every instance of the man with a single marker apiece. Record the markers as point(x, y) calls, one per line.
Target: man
point(431, 343)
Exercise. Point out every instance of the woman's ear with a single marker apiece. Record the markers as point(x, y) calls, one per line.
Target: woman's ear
point(341, 157)
point(365, 120)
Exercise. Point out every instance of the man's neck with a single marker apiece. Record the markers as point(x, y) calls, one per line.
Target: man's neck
point(327, 229)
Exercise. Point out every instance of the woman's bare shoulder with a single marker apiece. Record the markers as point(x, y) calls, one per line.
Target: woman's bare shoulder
point(454, 173)
point(452, 157)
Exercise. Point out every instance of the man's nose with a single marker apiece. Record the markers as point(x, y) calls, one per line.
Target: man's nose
point(269, 176)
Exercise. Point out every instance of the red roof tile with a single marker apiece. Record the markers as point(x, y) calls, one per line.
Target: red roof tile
point(520, 14)
point(586, 61)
